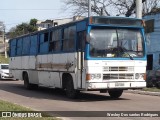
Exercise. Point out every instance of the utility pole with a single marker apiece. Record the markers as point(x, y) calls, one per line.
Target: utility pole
point(4, 40)
point(103, 10)
point(2, 26)
point(146, 6)
point(89, 8)
point(139, 9)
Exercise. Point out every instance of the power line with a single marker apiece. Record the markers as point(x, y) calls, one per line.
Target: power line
point(60, 17)
point(11, 23)
point(28, 9)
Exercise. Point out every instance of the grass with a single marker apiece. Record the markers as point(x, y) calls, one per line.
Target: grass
point(7, 106)
point(3, 59)
point(153, 89)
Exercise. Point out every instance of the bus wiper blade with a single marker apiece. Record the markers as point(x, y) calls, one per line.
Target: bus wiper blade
point(125, 51)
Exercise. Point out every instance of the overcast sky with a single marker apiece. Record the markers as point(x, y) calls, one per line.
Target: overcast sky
point(13, 12)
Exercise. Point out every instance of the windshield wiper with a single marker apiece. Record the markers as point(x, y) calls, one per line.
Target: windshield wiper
point(125, 51)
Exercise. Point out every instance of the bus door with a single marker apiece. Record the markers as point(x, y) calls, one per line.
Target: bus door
point(80, 58)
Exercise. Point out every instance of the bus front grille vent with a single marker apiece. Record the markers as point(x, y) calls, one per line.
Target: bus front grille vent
point(106, 69)
point(118, 76)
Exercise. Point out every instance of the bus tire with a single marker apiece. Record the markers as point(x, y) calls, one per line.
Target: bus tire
point(27, 85)
point(70, 91)
point(115, 93)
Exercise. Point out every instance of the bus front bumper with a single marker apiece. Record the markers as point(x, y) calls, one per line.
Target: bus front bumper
point(115, 85)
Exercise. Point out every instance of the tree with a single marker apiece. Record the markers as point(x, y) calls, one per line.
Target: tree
point(2, 31)
point(150, 6)
point(1, 28)
point(127, 7)
point(110, 7)
point(23, 28)
point(33, 22)
point(80, 7)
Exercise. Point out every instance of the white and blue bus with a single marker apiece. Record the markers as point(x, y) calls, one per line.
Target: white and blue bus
point(106, 54)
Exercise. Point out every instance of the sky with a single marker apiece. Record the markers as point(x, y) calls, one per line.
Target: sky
point(14, 12)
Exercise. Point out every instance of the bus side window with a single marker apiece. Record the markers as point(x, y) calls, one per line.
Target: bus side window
point(62, 39)
point(54, 42)
point(65, 40)
point(71, 37)
point(43, 45)
point(68, 38)
point(19, 47)
point(13, 47)
point(34, 45)
point(26, 46)
point(46, 37)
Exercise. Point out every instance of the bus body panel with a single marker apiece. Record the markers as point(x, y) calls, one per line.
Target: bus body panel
point(113, 85)
point(47, 70)
point(50, 59)
point(33, 76)
point(115, 71)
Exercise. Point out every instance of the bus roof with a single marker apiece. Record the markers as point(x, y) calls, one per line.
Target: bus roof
point(116, 21)
point(99, 20)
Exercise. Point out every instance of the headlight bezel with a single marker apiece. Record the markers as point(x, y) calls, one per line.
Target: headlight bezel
point(140, 76)
point(96, 76)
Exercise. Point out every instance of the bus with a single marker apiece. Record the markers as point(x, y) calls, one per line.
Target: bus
point(106, 54)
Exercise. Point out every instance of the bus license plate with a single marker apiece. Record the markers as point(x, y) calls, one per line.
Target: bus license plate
point(119, 84)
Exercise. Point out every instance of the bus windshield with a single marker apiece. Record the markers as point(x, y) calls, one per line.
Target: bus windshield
point(116, 43)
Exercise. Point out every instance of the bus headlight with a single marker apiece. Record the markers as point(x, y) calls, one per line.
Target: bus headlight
point(98, 76)
point(140, 76)
point(93, 76)
point(137, 76)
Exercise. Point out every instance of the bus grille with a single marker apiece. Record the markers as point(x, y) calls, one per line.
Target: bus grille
point(105, 69)
point(118, 76)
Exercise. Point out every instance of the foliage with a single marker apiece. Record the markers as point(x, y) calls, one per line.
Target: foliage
point(23, 28)
point(110, 7)
point(3, 59)
point(7, 106)
point(153, 89)
point(33, 22)
point(1, 28)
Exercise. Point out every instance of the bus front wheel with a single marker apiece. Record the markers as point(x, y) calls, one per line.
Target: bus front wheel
point(70, 91)
point(115, 93)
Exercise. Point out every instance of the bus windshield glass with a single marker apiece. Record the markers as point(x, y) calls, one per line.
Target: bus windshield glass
point(122, 43)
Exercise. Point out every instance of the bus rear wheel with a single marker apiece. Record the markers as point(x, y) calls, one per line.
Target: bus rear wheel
point(115, 93)
point(70, 91)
